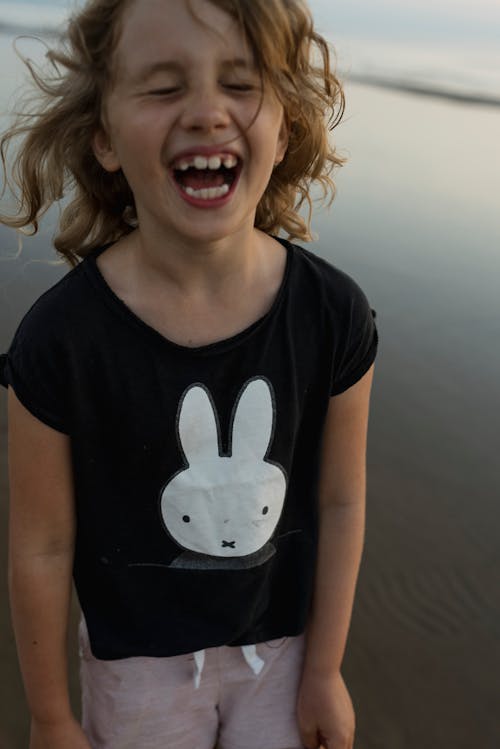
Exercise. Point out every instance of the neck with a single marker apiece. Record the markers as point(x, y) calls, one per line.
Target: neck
point(196, 266)
point(198, 293)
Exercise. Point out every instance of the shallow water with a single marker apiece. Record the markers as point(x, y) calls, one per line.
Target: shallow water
point(416, 223)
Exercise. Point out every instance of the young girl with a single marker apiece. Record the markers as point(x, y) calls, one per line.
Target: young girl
point(188, 406)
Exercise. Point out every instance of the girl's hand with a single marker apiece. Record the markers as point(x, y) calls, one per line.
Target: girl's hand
point(325, 712)
point(66, 735)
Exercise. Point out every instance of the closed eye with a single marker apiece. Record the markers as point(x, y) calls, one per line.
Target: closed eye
point(164, 91)
point(239, 86)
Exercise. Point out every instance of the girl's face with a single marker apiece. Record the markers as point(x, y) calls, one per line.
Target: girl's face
point(188, 122)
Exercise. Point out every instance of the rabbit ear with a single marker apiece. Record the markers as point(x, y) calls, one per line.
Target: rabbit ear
point(254, 420)
point(197, 426)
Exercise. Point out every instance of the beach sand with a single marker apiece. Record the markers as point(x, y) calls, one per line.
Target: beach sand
point(415, 222)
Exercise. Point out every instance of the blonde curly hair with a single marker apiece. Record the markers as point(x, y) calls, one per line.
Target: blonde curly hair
point(55, 157)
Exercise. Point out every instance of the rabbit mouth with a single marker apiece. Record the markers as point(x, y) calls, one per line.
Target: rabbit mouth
point(228, 544)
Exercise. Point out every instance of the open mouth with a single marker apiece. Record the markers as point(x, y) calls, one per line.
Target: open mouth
point(206, 177)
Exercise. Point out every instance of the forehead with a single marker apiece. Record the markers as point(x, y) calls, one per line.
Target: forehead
point(187, 31)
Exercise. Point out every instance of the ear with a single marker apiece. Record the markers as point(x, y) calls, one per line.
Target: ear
point(104, 151)
point(197, 426)
point(282, 144)
point(253, 423)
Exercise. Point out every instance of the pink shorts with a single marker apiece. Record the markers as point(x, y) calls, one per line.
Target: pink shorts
point(228, 697)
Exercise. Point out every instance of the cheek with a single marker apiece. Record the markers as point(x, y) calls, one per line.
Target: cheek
point(140, 129)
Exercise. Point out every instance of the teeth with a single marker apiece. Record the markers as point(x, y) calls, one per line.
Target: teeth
point(202, 162)
point(207, 193)
point(214, 162)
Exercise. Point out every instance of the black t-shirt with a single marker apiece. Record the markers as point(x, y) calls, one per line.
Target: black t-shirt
point(195, 469)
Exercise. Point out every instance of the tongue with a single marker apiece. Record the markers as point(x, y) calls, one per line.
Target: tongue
point(197, 179)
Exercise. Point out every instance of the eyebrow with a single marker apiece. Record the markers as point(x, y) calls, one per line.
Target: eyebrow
point(172, 66)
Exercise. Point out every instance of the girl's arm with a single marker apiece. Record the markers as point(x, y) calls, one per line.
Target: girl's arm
point(325, 710)
point(41, 543)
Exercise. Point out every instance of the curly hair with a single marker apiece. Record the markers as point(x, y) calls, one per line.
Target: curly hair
point(55, 157)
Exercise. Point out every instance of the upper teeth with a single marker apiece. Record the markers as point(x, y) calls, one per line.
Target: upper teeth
point(202, 162)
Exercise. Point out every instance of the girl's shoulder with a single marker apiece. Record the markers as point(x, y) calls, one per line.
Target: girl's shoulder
point(66, 306)
point(56, 317)
point(52, 307)
point(44, 345)
point(339, 308)
point(318, 279)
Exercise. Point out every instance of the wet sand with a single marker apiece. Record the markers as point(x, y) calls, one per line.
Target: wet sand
point(416, 223)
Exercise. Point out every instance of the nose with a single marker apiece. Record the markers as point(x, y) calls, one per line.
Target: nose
point(205, 111)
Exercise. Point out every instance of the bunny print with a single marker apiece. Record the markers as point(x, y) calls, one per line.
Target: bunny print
point(222, 508)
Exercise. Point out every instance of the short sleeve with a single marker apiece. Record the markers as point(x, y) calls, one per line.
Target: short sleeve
point(3, 370)
point(34, 368)
point(359, 342)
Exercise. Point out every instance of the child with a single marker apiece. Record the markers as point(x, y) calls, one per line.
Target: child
point(188, 406)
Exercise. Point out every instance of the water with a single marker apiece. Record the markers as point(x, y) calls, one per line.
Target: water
point(469, 71)
point(33, 16)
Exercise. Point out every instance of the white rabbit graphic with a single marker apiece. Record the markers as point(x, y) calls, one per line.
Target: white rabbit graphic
point(225, 506)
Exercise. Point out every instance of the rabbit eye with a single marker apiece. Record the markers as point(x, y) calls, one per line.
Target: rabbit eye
point(186, 518)
point(265, 510)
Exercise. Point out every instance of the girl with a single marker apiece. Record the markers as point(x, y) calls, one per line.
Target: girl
point(188, 406)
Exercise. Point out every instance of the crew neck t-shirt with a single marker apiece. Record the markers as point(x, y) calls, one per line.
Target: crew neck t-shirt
point(195, 469)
